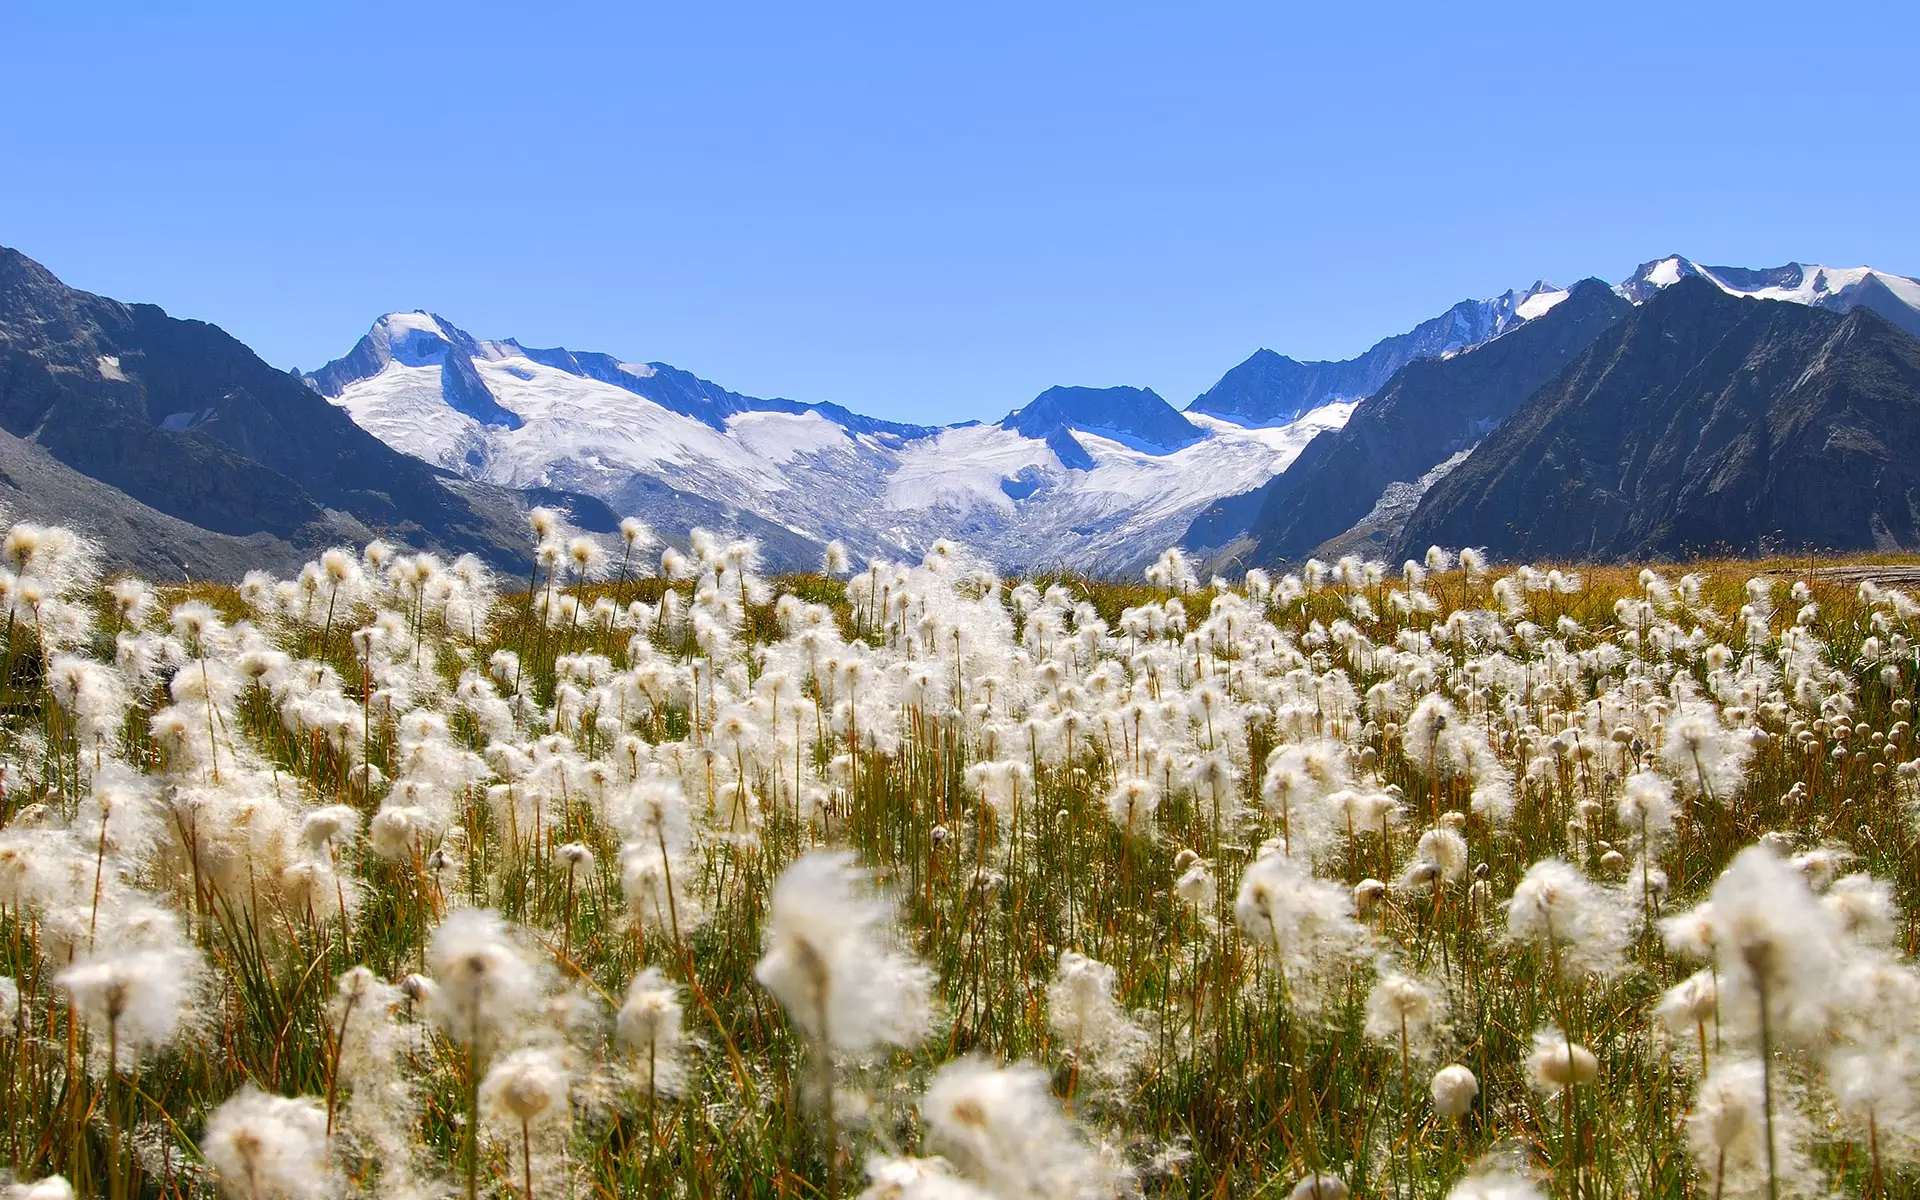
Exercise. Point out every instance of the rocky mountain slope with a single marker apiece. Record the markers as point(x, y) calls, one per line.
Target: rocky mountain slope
point(1270, 388)
point(185, 423)
point(1706, 422)
point(1431, 411)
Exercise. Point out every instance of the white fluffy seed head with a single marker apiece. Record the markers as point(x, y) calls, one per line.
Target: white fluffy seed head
point(1495, 1181)
point(1776, 944)
point(1401, 1007)
point(574, 858)
point(1727, 1132)
point(264, 1146)
point(1577, 926)
point(527, 1086)
point(1085, 1013)
point(916, 1179)
point(486, 985)
point(835, 560)
point(648, 1025)
point(1558, 1063)
point(325, 826)
point(829, 963)
point(1319, 1186)
point(1284, 910)
point(1003, 1129)
point(1196, 887)
point(1453, 1090)
point(1688, 1005)
point(139, 996)
point(1445, 850)
point(1646, 802)
point(1132, 803)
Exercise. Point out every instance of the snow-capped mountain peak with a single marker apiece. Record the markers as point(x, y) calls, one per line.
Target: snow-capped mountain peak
point(1091, 477)
point(1538, 300)
point(1136, 417)
point(1652, 276)
point(1839, 289)
point(1273, 389)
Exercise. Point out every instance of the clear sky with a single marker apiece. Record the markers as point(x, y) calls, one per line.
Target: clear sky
point(933, 212)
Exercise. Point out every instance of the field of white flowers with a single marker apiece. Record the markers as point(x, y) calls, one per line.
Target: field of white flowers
point(397, 879)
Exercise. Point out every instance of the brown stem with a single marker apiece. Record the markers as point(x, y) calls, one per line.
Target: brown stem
point(526, 1160)
point(339, 1046)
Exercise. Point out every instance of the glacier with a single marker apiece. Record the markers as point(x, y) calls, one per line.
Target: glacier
point(1094, 480)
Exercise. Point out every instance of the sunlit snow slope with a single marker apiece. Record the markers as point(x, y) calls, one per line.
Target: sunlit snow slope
point(1076, 484)
point(1839, 289)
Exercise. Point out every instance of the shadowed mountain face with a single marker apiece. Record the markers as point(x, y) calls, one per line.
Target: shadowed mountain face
point(1137, 417)
point(189, 423)
point(1703, 423)
point(1431, 410)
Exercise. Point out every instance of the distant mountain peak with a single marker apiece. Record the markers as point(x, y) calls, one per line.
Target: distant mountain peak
point(1651, 277)
point(1270, 388)
point(1135, 417)
point(1837, 289)
point(1430, 411)
point(424, 339)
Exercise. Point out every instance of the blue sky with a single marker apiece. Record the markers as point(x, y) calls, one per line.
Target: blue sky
point(934, 212)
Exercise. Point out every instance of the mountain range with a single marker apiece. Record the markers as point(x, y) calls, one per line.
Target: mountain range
point(1545, 421)
point(184, 454)
point(1702, 423)
point(1271, 388)
point(1094, 478)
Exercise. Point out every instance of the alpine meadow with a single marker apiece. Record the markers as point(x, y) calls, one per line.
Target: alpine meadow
point(649, 875)
point(739, 601)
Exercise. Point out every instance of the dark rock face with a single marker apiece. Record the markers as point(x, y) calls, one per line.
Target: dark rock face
point(1704, 423)
point(1135, 416)
point(1430, 410)
point(1272, 389)
point(190, 423)
point(1875, 295)
point(1069, 451)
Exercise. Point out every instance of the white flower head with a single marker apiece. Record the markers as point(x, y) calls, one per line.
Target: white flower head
point(829, 963)
point(264, 1146)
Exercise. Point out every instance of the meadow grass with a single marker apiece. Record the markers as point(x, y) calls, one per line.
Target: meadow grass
point(964, 738)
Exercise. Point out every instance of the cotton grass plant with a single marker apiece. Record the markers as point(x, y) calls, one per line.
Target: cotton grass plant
point(651, 875)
